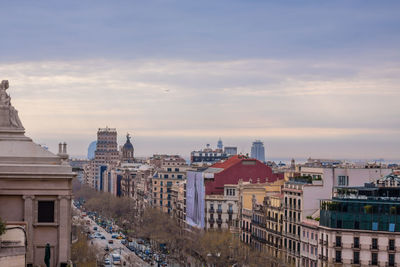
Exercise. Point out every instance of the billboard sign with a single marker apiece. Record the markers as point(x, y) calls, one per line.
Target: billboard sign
point(195, 193)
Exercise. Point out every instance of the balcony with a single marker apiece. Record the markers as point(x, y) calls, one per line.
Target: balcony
point(355, 263)
point(337, 244)
point(373, 247)
point(219, 221)
point(230, 211)
point(355, 246)
point(211, 210)
point(211, 220)
point(219, 211)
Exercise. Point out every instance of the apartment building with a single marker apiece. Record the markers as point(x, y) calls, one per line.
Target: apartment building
point(361, 226)
point(301, 198)
point(207, 156)
point(309, 243)
point(172, 171)
point(274, 223)
point(252, 196)
point(222, 210)
point(178, 199)
point(258, 227)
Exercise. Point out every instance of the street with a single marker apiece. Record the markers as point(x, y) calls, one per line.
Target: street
point(128, 257)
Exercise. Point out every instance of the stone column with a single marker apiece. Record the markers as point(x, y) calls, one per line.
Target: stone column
point(29, 218)
point(64, 229)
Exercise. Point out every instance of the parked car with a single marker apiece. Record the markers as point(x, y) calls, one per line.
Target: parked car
point(110, 241)
point(95, 228)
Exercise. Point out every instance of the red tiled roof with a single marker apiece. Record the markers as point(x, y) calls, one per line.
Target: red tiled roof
point(229, 162)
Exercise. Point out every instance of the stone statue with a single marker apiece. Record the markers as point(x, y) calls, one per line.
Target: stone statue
point(8, 114)
point(4, 97)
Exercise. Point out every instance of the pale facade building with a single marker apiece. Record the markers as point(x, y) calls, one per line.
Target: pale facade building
point(301, 197)
point(222, 210)
point(35, 190)
point(172, 171)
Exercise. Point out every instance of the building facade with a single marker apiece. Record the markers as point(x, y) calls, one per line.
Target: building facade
point(35, 191)
point(361, 226)
point(172, 171)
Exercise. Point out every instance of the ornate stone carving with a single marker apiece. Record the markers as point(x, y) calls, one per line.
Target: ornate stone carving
point(8, 114)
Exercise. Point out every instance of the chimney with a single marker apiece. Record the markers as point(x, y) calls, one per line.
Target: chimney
point(62, 152)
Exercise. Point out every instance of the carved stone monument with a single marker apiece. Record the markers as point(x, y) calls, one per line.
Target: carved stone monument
point(8, 114)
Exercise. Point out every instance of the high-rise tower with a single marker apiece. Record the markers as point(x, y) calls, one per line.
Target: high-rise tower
point(106, 153)
point(257, 150)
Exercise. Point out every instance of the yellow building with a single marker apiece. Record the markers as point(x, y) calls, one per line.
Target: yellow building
point(249, 196)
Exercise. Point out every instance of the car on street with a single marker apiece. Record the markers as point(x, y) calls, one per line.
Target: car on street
point(110, 241)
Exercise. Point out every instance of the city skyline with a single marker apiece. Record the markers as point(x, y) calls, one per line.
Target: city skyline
point(318, 80)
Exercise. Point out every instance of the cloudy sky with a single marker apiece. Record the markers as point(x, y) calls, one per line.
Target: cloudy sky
point(309, 78)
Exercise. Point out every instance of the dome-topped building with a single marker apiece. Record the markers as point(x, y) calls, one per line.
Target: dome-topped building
point(128, 150)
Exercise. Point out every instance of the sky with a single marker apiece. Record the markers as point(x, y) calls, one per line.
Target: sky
point(308, 78)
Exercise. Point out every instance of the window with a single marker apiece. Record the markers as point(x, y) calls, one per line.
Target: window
point(45, 211)
point(338, 257)
point(391, 244)
point(338, 241)
point(343, 180)
point(374, 243)
point(169, 169)
point(177, 169)
point(391, 260)
point(374, 258)
point(356, 257)
point(312, 235)
point(356, 242)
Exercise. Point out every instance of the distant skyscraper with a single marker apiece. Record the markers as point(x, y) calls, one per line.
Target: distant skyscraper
point(91, 149)
point(220, 145)
point(106, 154)
point(257, 150)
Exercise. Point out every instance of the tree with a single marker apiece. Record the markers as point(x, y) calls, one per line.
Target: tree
point(82, 253)
point(2, 227)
